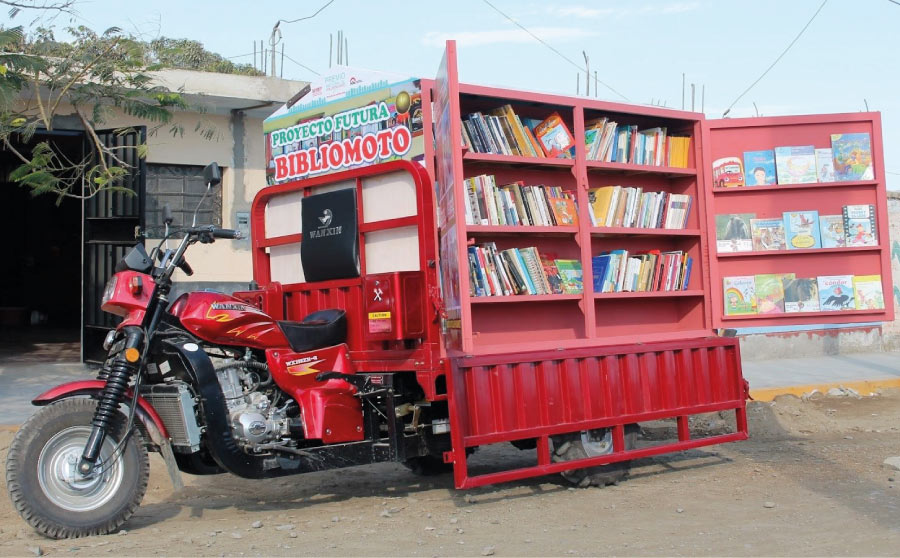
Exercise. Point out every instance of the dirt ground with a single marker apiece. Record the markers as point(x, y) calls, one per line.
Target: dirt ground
point(809, 482)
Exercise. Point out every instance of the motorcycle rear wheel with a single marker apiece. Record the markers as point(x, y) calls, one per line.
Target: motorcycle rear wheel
point(47, 490)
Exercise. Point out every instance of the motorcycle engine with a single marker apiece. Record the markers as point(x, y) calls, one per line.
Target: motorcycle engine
point(254, 419)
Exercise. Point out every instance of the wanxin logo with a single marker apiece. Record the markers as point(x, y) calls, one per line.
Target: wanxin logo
point(325, 219)
point(324, 229)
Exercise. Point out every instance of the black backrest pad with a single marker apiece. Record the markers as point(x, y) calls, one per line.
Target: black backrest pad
point(330, 246)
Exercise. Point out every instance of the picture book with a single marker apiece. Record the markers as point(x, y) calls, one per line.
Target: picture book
point(759, 167)
point(801, 294)
point(740, 295)
point(867, 292)
point(552, 274)
point(824, 165)
point(831, 228)
point(802, 229)
point(570, 275)
point(767, 234)
point(770, 292)
point(555, 137)
point(852, 156)
point(795, 164)
point(836, 292)
point(564, 211)
point(599, 200)
point(728, 172)
point(733, 232)
point(859, 225)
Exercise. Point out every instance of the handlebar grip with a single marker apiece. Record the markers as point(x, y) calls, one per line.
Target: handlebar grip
point(230, 234)
point(186, 267)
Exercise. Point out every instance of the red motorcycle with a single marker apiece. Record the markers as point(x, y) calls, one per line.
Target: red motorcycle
point(213, 384)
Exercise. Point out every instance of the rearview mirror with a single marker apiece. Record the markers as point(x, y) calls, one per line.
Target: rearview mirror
point(212, 174)
point(168, 219)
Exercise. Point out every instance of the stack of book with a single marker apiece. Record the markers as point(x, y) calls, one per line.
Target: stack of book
point(608, 141)
point(520, 271)
point(618, 271)
point(503, 132)
point(778, 293)
point(618, 206)
point(518, 204)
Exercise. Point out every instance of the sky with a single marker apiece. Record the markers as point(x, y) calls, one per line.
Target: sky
point(846, 58)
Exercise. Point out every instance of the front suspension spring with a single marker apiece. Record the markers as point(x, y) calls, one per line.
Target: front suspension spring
point(113, 393)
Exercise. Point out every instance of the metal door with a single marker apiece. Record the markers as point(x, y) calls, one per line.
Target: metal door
point(111, 220)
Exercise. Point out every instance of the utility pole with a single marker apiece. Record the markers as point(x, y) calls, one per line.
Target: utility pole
point(274, 39)
point(587, 74)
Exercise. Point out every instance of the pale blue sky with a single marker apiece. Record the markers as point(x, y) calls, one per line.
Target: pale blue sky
point(640, 48)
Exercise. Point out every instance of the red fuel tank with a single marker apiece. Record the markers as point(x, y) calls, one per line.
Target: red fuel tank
point(225, 320)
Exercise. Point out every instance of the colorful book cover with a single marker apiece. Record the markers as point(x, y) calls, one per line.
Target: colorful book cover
point(796, 164)
point(852, 156)
point(802, 229)
point(555, 137)
point(767, 234)
point(733, 232)
point(570, 274)
point(759, 167)
point(801, 294)
point(831, 228)
point(867, 292)
point(770, 292)
point(859, 225)
point(728, 172)
point(553, 278)
point(564, 211)
point(740, 295)
point(836, 292)
point(824, 165)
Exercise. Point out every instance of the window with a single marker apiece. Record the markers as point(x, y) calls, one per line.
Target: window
point(181, 187)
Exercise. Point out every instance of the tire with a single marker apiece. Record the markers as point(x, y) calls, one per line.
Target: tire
point(42, 482)
point(580, 445)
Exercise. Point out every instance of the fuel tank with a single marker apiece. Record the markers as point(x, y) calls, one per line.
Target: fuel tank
point(225, 320)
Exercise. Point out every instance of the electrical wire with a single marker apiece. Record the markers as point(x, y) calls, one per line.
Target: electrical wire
point(307, 17)
point(548, 45)
point(301, 65)
point(894, 2)
point(780, 56)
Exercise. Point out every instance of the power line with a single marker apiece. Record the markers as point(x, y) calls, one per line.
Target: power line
point(785, 51)
point(239, 56)
point(301, 65)
point(558, 53)
point(307, 17)
point(894, 2)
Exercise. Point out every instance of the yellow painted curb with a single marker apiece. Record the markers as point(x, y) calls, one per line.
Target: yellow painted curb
point(864, 387)
point(9, 427)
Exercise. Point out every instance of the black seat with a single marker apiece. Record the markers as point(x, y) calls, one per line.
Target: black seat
point(319, 329)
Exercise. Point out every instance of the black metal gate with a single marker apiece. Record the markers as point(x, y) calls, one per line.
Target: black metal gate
point(110, 222)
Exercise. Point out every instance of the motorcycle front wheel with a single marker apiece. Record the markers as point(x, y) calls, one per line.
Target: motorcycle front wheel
point(44, 483)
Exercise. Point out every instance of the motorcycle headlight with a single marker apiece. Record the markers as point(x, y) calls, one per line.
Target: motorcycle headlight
point(110, 288)
point(110, 337)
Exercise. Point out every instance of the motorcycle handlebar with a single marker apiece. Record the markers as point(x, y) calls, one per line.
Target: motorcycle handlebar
point(216, 232)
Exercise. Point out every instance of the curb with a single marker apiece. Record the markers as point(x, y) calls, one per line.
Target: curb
point(864, 387)
point(9, 427)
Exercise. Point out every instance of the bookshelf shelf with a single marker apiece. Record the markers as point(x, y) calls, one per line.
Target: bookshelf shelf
point(649, 294)
point(514, 160)
point(637, 231)
point(771, 253)
point(627, 169)
point(811, 186)
point(507, 230)
point(523, 298)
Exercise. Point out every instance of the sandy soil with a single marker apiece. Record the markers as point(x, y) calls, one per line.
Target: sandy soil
point(809, 482)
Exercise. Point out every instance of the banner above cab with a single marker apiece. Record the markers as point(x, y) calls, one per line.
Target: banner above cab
point(350, 118)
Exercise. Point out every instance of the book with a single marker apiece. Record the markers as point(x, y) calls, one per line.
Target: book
point(859, 225)
point(599, 200)
point(801, 294)
point(570, 274)
point(831, 229)
point(552, 274)
point(728, 172)
point(770, 292)
point(852, 157)
point(824, 165)
point(767, 234)
point(795, 164)
point(733, 232)
point(802, 229)
point(759, 167)
point(740, 295)
point(867, 292)
point(555, 137)
point(836, 292)
point(564, 211)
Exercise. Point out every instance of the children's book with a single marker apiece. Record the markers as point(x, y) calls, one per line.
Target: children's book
point(570, 275)
point(733, 232)
point(759, 167)
point(767, 234)
point(740, 295)
point(836, 292)
point(824, 165)
point(552, 274)
point(796, 164)
point(564, 211)
point(831, 228)
point(801, 294)
point(859, 225)
point(555, 137)
point(867, 292)
point(802, 229)
point(728, 172)
point(852, 156)
point(770, 292)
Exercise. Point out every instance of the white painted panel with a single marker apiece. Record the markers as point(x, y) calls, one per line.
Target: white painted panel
point(392, 250)
point(284, 264)
point(388, 196)
point(335, 186)
point(283, 215)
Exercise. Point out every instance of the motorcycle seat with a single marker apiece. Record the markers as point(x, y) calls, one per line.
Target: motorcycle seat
point(319, 329)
